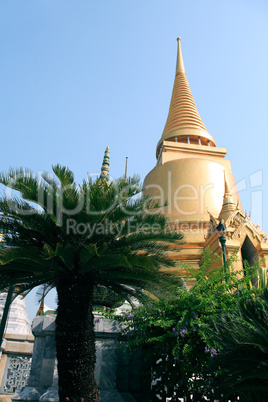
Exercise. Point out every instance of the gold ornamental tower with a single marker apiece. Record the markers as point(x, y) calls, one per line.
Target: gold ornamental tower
point(193, 183)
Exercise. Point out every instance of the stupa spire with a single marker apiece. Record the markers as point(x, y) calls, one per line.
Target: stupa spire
point(184, 123)
point(105, 168)
point(41, 309)
point(180, 64)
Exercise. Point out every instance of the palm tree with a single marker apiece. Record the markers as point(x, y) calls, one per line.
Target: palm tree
point(241, 367)
point(82, 239)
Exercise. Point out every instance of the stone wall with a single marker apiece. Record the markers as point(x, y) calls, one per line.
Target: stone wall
point(118, 375)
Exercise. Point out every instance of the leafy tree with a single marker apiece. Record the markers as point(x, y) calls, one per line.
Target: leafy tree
point(98, 237)
point(176, 334)
point(241, 367)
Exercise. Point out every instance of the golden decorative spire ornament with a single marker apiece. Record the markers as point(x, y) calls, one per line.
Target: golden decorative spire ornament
point(41, 309)
point(228, 205)
point(184, 123)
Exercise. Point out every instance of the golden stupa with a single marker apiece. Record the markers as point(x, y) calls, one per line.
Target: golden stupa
point(194, 185)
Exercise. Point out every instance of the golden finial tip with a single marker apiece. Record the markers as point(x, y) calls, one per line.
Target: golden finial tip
point(179, 38)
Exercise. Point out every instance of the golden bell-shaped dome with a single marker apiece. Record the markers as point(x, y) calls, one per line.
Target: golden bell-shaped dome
point(187, 179)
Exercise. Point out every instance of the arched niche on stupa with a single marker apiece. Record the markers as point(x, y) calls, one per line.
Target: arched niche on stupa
point(249, 252)
point(250, 255)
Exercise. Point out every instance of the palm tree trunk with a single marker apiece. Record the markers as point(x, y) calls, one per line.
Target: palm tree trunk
point(75, 340)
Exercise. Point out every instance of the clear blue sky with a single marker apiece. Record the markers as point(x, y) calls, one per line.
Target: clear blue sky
point(77, 76)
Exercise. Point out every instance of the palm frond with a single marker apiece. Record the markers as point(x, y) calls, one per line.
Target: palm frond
point(122, 243)
point(243, 357)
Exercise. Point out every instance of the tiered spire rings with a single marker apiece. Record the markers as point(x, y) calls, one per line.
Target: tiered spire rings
point(105, 169)
point(184, 123)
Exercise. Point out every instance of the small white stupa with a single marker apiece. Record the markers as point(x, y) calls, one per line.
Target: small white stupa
point(17, 322)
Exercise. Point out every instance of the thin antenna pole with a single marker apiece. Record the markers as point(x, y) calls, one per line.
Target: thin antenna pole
point(126, 171)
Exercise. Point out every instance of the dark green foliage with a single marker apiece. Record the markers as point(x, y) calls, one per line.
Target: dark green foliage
point(176, 334)
point(100, 236)
point(106, 297)
point(241, 368)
